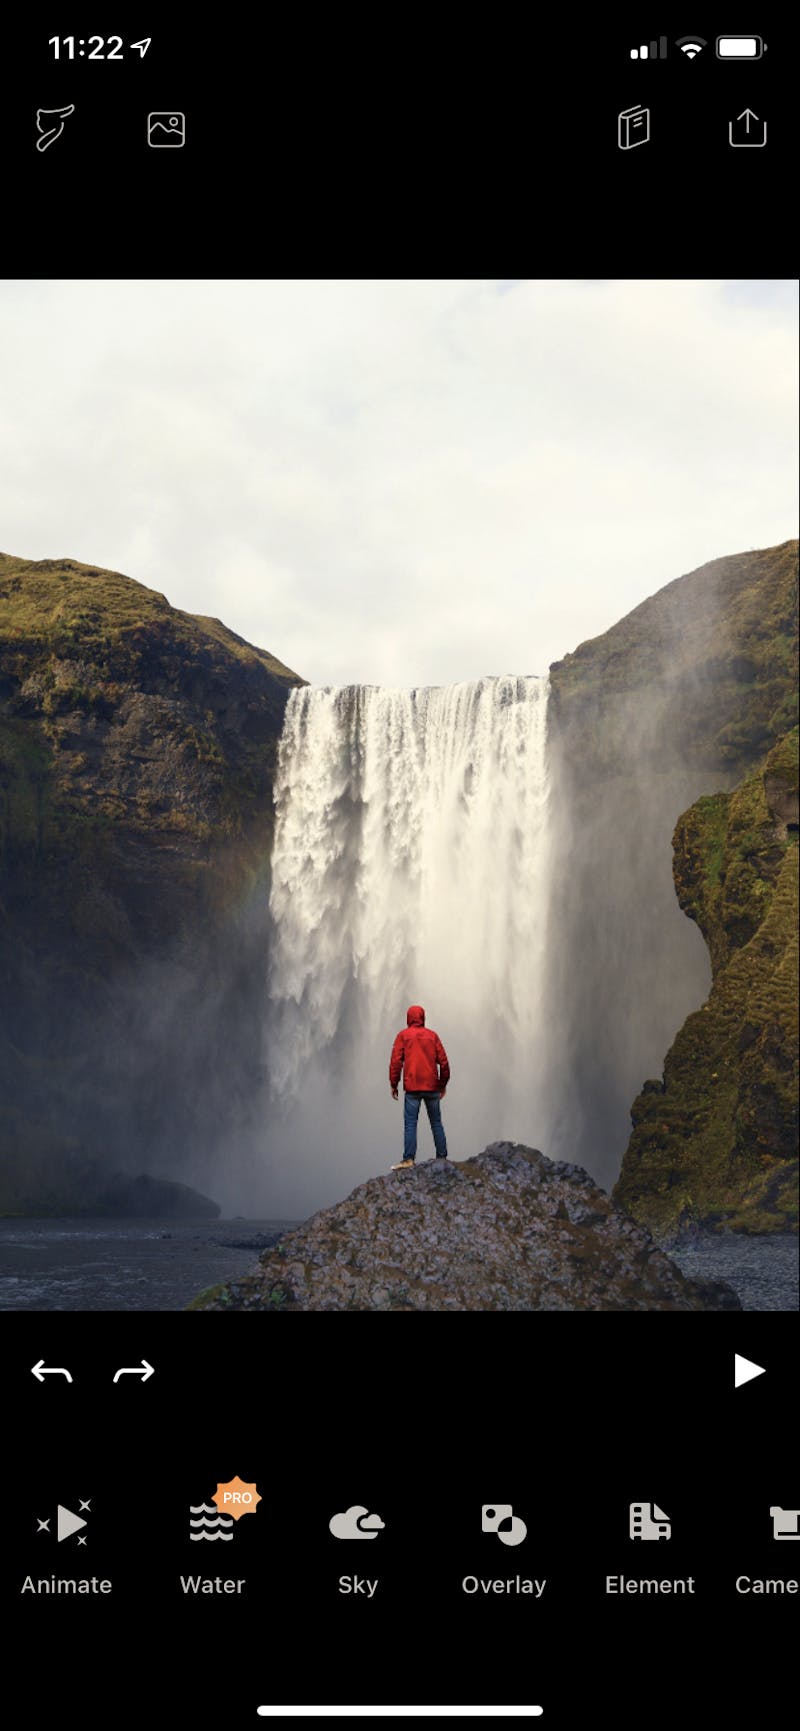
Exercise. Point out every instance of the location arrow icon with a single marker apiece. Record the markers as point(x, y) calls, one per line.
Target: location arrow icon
point(744, 1370)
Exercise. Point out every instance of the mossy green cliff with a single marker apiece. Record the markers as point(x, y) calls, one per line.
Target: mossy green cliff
point(683, 718)
point(715, 1141)
point(137, 751)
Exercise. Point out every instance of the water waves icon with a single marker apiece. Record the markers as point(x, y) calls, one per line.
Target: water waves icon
point(211, 1524)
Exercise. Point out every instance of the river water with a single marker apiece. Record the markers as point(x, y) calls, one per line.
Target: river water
point(160, 1265)
point(763, 1271)
point(123, 1264)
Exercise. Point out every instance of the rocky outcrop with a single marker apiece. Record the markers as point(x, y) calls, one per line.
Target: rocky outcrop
point(137, 749)
point(714, 1140)
point(507, 1230)
point(687, 706)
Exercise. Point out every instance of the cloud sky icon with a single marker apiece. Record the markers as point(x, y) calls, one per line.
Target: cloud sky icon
point(355, 1523)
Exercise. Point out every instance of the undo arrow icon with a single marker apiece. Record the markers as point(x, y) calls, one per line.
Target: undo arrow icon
point(41, 1370)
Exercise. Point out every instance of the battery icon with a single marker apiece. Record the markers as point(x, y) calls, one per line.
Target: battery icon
point(740, 47)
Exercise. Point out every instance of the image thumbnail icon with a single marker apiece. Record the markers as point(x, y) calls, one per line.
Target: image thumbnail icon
point(166, 129)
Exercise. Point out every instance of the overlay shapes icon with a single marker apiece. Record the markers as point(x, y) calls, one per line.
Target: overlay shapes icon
point(500, 1518)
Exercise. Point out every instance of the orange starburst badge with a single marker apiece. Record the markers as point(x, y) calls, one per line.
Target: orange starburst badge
point(236, 1498)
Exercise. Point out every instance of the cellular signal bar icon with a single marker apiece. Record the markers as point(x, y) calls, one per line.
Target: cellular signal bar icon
point(656, 50)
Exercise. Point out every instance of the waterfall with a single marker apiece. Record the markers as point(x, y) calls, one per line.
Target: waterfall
point(411, 864)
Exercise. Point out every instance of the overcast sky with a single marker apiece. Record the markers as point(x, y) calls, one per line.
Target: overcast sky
point(399, 483)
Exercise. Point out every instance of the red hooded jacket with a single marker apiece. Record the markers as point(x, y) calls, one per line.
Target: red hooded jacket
point(419, 1054)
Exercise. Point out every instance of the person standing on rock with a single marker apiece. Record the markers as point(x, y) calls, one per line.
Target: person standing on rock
point(418, 1054)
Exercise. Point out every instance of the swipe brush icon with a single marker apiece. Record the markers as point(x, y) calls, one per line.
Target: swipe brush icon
point(50, 123)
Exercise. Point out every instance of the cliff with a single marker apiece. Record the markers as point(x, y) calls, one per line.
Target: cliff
point(137, 749)
point(714, 1141)
point(507, 1230)
point(703, 673)
point(683, 714)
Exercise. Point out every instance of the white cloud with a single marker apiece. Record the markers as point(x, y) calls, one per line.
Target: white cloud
point(351, 1524)
point(399, 483)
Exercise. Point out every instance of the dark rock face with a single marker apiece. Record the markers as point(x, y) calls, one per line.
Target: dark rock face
point(686, 703)
point(137, 749)
point(718, 1146)
point(507, 1230)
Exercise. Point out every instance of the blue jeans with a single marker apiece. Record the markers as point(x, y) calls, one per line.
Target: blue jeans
point(410, 1116)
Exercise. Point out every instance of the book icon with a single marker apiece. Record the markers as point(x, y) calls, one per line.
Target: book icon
point(166, 130)
point(634, 127)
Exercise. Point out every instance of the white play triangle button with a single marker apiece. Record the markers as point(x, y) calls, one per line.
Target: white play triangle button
point(68, 1523)
point(744, 1370)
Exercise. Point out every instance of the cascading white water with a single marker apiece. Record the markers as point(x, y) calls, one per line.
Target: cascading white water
point(411, 864)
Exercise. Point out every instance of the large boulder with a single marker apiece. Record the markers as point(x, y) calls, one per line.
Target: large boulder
point(507, 1230)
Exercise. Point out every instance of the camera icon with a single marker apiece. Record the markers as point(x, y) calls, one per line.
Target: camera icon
point(500, 1518)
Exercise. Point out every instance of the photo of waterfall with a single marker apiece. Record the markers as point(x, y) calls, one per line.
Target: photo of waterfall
point(411, 862)
point(389, 644)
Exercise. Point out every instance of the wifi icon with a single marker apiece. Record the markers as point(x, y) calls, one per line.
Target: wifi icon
point(691, 45)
